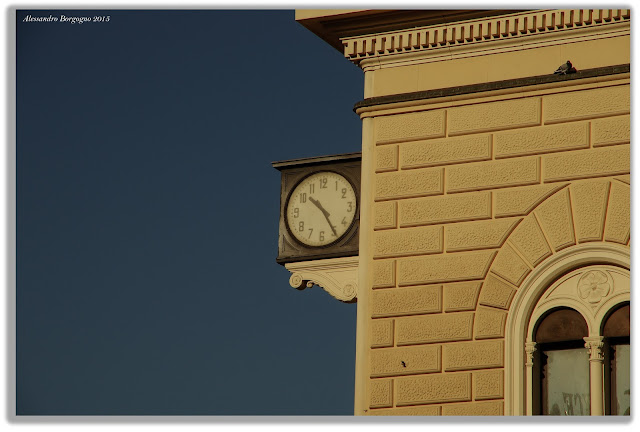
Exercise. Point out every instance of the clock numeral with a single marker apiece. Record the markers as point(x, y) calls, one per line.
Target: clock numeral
point(323, 183)
point(296, 212)
point(344, 221)
point(344, 192)
point(312, 188)
point(303, 197)
point(336, 184)
point(310, 229)
point(301, 226)
point(350, 206)
point(321, 235)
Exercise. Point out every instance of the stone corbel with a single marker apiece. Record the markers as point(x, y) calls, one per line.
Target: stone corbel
point(337, 276)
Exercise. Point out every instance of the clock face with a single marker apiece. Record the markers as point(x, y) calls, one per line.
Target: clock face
point(321, 208)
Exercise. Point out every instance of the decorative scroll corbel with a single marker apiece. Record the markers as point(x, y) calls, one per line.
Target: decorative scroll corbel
point(337, 276)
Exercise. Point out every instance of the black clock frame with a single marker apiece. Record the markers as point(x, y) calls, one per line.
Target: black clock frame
point(292, 173)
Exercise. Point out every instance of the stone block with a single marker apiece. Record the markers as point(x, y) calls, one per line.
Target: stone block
point(460, 266)
point(491, 116)
point(611, 131)
point(556, 220)
point(405, 361)
point(530, 241)
point(618, 214)
point(420, 410)
point(407, 184)
point(406, 301)
point(624, 179)
point(544, 139)
point(434, 328)
point(473, 355)
point(509, 266)
point(381, 333)
point(419, 154)
point(496, 293)
point(493, 174)
point(600, 162)
point(433, 389)
point(386, 158)
point(407, 241)
point(384, 215)
point(488, 384)
point(411, 126)
point(584, 104)
point(381, 393)
point(489, 323)
point(384, 274)
point(445, 209)
point(461, 296)
point(493, 408)
point(589, 202)
point(489, 234)
point(522, 200)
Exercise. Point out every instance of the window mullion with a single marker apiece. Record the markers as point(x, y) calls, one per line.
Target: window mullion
point(595, 346)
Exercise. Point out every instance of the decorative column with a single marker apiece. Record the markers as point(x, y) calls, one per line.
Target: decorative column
point(596, 373)
point(529, 349)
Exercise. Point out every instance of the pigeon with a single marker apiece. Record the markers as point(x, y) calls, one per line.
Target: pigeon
point(565, 68)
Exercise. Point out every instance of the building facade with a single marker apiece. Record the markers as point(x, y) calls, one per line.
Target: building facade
point(493, 268)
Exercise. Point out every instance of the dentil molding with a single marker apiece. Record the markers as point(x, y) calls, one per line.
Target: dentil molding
point(512, 27)
point(337, 276)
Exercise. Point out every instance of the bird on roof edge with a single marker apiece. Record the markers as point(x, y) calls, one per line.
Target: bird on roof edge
point(565, 68)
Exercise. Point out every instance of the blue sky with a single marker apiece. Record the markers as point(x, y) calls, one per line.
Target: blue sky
point(147, 215)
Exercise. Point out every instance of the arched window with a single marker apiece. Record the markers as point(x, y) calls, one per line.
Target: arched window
point(567, 335)
point(616, 332)
point(561, 364)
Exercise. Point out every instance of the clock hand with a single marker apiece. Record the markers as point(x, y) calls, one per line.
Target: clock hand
point(317, 204)
point(325, 213)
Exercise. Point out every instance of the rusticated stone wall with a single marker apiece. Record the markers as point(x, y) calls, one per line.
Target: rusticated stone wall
point(468, 199)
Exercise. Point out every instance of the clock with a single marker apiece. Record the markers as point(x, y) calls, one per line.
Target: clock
point(319, 207)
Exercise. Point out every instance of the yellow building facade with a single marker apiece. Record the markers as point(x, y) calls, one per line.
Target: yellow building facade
point(494, 207)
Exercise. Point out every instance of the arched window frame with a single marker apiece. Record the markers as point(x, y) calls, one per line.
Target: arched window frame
point(521, 319)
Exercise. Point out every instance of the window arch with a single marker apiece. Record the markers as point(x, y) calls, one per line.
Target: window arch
point(617, 365)
point(561, 364)
point(592, 280)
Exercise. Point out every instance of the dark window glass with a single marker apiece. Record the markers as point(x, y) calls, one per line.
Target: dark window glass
point(562, 364)
point(616, 331)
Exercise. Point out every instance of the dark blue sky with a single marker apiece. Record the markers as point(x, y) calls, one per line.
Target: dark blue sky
point(147, 215)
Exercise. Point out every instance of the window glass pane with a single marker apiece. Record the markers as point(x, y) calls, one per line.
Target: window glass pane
point(567, 382)
point(622, 370)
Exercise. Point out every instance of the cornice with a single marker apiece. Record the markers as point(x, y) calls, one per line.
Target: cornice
point(517, 83)
point(514, 26)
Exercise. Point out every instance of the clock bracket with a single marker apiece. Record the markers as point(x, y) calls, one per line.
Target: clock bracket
point(337, 276)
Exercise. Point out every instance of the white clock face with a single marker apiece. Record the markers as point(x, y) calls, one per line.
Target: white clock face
point(321, 208)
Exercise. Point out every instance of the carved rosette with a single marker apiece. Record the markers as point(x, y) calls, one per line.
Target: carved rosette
point(594, 285)
point(595, 345)
point(337, 276)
